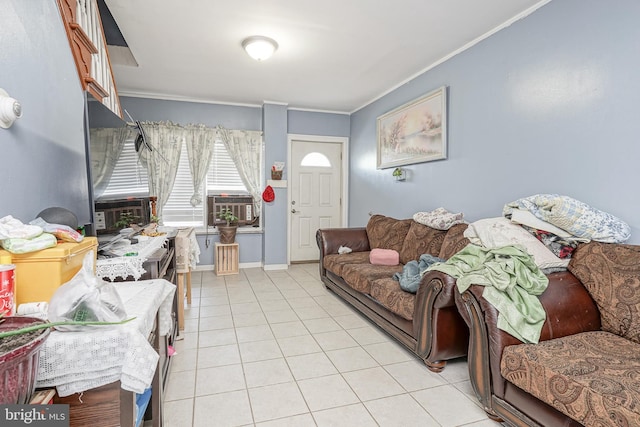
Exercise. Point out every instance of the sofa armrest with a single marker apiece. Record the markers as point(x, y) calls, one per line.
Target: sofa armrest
point(440, 331)
point(570, 310)
point(445, 284)
point(330, 239)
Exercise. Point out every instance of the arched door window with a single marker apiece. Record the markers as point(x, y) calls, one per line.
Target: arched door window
point(315, 159)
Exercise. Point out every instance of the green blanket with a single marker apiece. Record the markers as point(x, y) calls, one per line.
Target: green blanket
point(512, 283)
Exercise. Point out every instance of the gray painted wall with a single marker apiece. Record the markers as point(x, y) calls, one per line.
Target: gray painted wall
point(43, 153)
point(547, 105)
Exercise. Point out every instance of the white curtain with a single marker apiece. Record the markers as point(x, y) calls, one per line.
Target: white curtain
point(200, 142)
point(245, 148)
point(105, 147)
point(162, 162)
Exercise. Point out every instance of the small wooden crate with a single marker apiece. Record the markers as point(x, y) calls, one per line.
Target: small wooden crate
point(226, 260)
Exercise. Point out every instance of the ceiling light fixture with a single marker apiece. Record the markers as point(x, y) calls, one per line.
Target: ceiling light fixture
point(259, 47)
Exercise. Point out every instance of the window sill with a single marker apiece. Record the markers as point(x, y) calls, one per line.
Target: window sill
point(277, 183)
point(241, 230)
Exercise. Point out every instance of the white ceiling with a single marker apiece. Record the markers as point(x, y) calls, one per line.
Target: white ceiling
point(334, 55)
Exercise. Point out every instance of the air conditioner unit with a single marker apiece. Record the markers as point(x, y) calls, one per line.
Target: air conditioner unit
point(108, 213)
point(241, 206)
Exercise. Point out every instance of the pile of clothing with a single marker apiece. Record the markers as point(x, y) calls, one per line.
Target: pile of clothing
point(511, 255)
point(19, 238)
point(561, 222)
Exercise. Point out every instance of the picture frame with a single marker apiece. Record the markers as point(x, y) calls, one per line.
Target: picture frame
point(415, 132)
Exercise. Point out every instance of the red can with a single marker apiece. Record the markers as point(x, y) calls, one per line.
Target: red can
point(7, 289)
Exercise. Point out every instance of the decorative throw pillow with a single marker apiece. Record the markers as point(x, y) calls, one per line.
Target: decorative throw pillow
point(611, 274)
point(454, 241)
point(386, 232)
point(440, 219)
point(420, 240)
point(384, 257)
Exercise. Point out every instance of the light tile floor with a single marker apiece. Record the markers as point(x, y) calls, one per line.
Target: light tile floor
point(276, 348)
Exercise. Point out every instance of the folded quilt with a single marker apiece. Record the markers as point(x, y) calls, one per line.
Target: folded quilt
point(575, 217)
point(413, 271)
point(440, 219)
point(512, 284)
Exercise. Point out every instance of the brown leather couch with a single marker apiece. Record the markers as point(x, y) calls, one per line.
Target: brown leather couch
point(427, 322)
point(585, 370)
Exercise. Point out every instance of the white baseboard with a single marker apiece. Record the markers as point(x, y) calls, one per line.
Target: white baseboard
point(250, 265)
point(212, 267)
point(271, 267)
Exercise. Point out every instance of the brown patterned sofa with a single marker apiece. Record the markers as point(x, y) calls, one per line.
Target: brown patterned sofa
point(427, 322)
point(586, 368)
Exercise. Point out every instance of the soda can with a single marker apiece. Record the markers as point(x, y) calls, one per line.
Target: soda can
point(7, 289)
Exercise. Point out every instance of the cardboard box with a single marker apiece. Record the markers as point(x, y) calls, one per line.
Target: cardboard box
point(40, 273)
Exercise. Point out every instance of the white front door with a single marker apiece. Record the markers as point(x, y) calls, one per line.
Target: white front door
point(316, 194)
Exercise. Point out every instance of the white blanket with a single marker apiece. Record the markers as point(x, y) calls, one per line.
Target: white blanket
point(493, 233)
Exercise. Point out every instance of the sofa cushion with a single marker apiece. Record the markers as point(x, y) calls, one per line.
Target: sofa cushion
point(454, 241)
point(421, 239)
point(592, 377)
point(335, 262)
point(386, 232)
point(360, 276)
point(611, 274)
point(389, 294)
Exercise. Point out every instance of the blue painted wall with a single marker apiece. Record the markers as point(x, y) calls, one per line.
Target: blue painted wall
point(275, 212)
point(229, 116)
point(318, 123)
point(43, 153)
point(275, 121)
point(547, 105)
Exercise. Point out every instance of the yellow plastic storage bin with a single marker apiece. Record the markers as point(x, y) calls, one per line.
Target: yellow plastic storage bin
point(40, 273)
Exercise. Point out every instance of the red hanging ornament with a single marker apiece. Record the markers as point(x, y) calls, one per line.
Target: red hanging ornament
point(268, 195)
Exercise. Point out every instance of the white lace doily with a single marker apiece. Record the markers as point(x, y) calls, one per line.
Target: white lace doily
point(187, 250)
point(74, 362)
point(128, 266)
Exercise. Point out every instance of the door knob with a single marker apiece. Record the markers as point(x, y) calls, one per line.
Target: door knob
point(293, 211)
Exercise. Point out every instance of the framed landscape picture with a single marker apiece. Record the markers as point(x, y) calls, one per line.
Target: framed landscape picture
point(415, 132)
